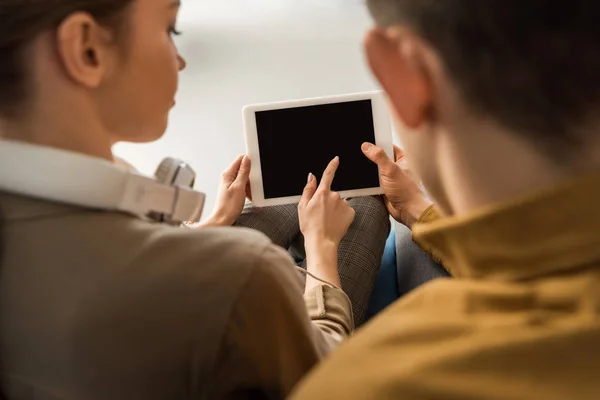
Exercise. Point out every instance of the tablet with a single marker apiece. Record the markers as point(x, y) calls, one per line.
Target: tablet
point(288, 140)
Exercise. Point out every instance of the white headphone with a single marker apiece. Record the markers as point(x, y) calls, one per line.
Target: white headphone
point(72, 178)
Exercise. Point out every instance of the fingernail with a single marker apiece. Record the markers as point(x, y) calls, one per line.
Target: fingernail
point(336, 159)
point(310, 177)
point(366, 147)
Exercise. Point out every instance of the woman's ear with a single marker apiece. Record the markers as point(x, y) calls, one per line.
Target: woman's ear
point(396, 64)
point(82, 49)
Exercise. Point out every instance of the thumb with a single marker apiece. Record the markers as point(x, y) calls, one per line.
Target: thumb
point(230, 174)
point(309, 190)
point(244, 172)
point(378, 156)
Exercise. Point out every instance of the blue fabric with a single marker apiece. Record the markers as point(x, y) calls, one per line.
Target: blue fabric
point(386, 287)
point(415, 267)
point(404, 267)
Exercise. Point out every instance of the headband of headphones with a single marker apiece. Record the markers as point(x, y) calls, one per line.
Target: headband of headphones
point(75, 179)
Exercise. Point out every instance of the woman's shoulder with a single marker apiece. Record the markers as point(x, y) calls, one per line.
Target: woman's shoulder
point(103, 245)
point(226, 251)
point(221, 248)
point(117, 240)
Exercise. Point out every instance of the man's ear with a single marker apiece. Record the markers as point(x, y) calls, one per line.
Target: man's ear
point(82, 49)
point(396, 65)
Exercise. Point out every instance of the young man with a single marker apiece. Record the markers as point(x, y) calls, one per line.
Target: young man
point(497, 106)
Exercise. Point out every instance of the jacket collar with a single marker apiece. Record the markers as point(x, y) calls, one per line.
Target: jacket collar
point(554, 231)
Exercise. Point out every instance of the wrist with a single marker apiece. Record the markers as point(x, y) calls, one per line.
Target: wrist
point(218, 219)
point(322, 261)
point(321, 253)
point(413, 211)
point(317, 244)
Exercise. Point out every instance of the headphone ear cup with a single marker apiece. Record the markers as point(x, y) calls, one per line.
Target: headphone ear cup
point(165, 173)
point(173, 172)
point(167, 170)
point(176, 173)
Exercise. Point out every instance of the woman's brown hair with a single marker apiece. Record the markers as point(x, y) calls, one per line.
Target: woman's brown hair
point(21, 21)
point(2, 248)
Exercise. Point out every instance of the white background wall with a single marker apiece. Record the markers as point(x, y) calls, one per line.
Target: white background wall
point(247, 51)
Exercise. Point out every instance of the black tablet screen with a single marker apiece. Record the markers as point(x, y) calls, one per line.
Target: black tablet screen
point(295, 141)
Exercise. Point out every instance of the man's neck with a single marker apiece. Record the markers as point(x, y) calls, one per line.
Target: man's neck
point(486, 166)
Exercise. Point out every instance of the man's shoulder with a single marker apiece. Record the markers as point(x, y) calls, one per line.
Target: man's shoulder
point(478, 328)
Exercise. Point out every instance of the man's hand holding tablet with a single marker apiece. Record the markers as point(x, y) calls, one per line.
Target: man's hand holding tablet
point(404, 199)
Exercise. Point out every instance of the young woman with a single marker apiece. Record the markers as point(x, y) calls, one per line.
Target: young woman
point(99, 304)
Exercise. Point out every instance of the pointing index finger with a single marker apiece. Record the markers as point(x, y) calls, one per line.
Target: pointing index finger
point(329, 174)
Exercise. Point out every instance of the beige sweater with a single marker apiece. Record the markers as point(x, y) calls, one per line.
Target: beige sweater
point(521, 320)
point(99, 305)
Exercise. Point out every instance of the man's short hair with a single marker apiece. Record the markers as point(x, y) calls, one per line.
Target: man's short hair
point(531, 65)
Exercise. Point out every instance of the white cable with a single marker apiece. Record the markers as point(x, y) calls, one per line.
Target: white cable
point(302, 270)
